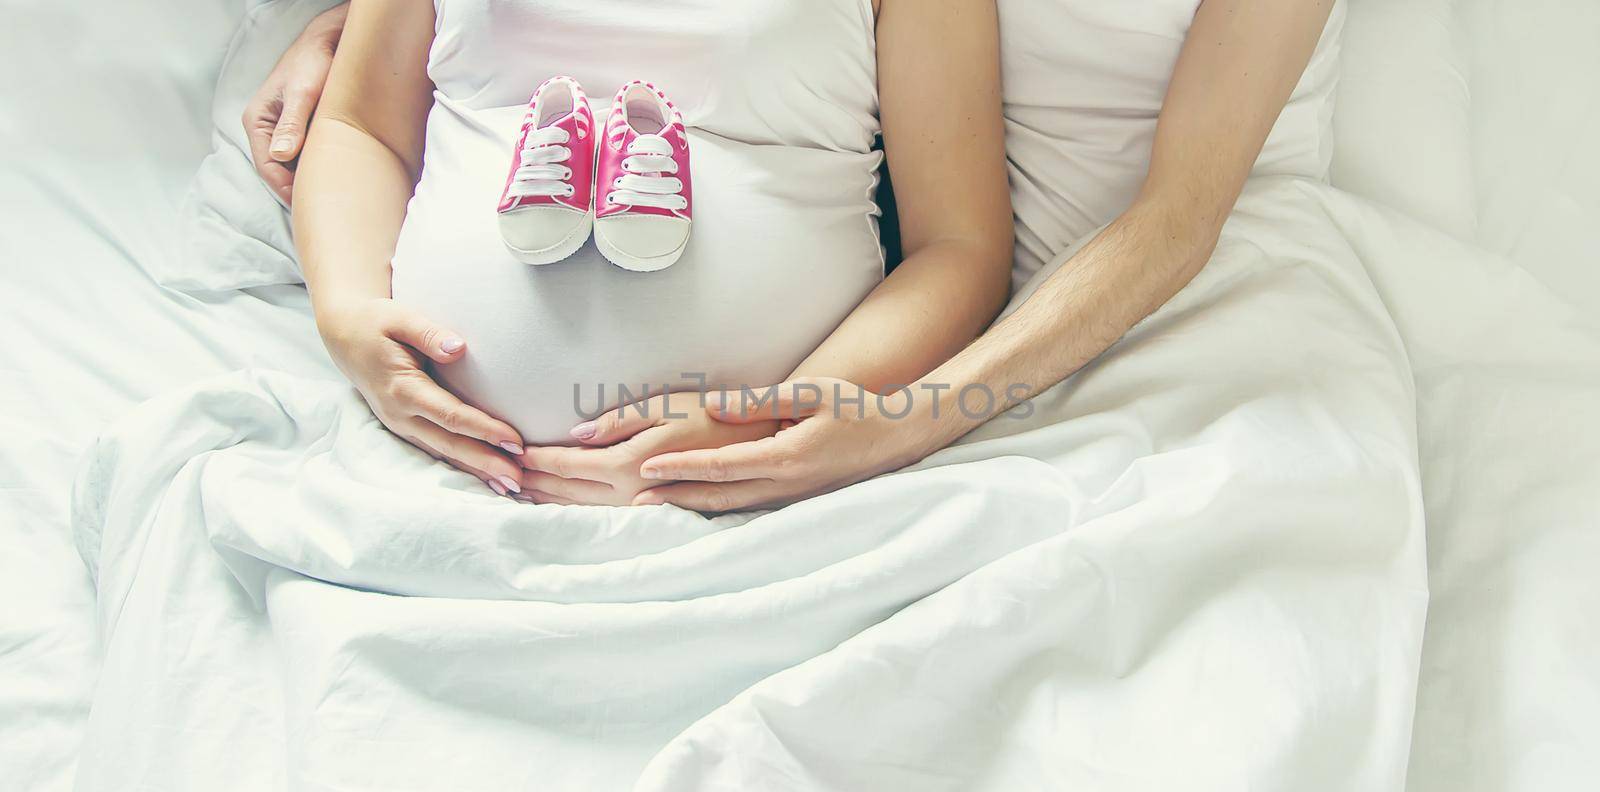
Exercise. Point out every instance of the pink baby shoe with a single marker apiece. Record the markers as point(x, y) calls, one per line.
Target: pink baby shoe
point(547, 207)
point(643, 201)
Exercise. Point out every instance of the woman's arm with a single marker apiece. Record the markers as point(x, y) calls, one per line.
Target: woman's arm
point(359, 167)
point(1236, 71)
point(939, 97)
point(364, 156)
point(939, 89)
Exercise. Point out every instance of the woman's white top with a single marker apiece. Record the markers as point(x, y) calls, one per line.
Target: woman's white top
point(780, 99)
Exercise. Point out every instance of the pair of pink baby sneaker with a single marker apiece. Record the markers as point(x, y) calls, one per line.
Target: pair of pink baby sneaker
point(630, 186)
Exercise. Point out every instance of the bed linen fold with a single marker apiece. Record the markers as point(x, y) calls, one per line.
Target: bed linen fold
point(1161, 554)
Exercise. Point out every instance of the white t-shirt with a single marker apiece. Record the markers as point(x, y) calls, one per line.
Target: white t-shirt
point(780, 100)
point(1084, 84)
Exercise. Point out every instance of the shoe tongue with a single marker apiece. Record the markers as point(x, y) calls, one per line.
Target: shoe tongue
point(560, 121)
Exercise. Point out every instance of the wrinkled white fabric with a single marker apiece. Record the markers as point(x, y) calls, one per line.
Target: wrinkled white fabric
point(1504, 387)
point(1507, 373)
point(1170, 533)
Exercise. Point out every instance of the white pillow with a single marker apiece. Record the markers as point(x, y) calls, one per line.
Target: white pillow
point(1402, 135)
point(1535, 120)
point(237, 230)
point(1084, 82)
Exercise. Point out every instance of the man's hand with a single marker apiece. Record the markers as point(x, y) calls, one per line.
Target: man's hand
point(844, 434)
point(275, 120)
point(605, 471)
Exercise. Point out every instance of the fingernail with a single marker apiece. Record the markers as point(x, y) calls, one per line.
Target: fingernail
point(512, 448)
point(511, 484)
point(650, 473)
point(450, 346)
point(281, 145)
point(719, 402)
point(499, 489)
point(585, 430)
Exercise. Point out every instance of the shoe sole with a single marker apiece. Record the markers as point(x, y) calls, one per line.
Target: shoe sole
point(635, 263)
point(560, 251)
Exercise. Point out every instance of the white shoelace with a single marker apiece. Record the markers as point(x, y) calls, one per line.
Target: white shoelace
point(540, 171)
point(648, 181)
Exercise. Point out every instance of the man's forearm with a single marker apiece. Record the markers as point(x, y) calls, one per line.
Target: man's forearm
point(1237, 69)
point(1123, 275)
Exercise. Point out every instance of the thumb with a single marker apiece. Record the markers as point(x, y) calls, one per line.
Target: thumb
point(434, 342)
point(290, 133)
point(792, 400)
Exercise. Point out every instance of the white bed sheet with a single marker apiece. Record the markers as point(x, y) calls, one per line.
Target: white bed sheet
point(1512, 519)
point(1480, 118)
point(1173, 525)
point(1508, 376)
point(103, 123)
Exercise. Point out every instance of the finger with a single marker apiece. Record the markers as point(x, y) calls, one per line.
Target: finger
point(708, 497)
point(796, 399)
point(488, 480)
point(438, 344)
point(594, 464)
point(425, 399)
point(534, 496)
point(579, 490)
point(278, 178)
point(259, 120)
point(469, 452)
point(754, 459)
point(621, 423)
point(300, 99)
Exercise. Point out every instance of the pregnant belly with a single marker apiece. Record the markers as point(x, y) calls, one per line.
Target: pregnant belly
point(763, 281)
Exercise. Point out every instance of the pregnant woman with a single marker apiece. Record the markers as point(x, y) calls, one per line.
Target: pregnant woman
point(395, 199)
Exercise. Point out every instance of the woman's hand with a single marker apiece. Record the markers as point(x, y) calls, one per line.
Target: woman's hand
point(844, 434)
point(275, 119)
point(381, 347)
point(605, 470)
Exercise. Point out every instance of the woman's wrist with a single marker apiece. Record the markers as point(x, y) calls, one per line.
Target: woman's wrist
point(337, 289)
point(333, 314)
